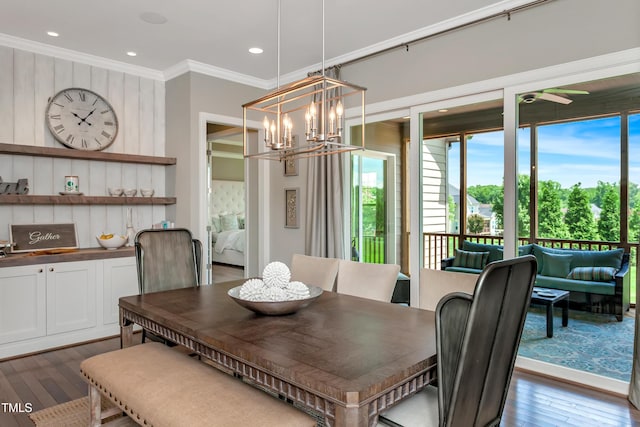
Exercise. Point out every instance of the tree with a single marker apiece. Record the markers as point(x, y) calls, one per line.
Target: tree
point(475, 224)
point(634, 225)
point(451, 206)
point(609, 223)
point(523, 207)
point(579, 218)
point(550, 217)
point(488, 194)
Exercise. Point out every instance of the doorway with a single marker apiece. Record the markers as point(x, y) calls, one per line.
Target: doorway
point(225, 249)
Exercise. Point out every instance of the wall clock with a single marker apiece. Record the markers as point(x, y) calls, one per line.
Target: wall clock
point(81, 119)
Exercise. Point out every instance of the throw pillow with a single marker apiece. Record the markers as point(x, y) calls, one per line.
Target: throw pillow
point(470, 259)
point(229, 222)
point(594, 274)
point(556, 265)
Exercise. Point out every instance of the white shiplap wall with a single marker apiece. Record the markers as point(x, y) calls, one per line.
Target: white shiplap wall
point(27, 81)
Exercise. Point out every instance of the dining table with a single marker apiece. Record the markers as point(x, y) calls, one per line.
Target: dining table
point(343, 358)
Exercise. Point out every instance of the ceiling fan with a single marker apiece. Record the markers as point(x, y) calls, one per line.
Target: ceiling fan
point(551, 95)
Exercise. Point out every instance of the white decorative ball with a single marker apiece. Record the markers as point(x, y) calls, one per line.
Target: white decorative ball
point(297, 290)
point(276, 274)
point(275, 294)
point(251, 289)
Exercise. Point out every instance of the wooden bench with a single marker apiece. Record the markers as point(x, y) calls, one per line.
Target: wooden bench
point(158, 386)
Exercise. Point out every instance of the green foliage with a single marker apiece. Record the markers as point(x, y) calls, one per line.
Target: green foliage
point(488, 194)
point(550, 217)
point(475, 224)
point(523, 206)
point(579, 217)
point(451, 205)
point(609, 223)
point(634, 225)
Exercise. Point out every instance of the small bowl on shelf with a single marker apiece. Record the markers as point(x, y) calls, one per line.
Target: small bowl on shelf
point(111, 240)
point(146, 192)
point(115, 191)
point(130, 192)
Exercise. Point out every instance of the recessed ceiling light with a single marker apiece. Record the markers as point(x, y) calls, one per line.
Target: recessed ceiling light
point(52, 34)
point(130, 53)
point(442, 110)
point(153, 18)
point(255, 50)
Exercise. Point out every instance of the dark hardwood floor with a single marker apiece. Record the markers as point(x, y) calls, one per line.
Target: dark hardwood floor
point(47, 379)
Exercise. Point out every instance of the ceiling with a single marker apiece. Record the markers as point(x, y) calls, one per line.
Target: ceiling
point(219, 33)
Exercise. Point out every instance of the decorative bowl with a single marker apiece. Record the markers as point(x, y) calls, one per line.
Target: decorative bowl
point(130, 192)
point(111, 241)
point(146, 192)
point(115, 191)
point(275, 308)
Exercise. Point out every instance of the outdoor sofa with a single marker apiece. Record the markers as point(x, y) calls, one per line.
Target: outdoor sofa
point(597, 280)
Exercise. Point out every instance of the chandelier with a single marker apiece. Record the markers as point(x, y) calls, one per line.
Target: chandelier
point(305, 118)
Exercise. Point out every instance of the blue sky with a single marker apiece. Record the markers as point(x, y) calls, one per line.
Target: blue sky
point(586, 152)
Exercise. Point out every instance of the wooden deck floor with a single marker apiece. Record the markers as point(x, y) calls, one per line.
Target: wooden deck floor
point(50, 378)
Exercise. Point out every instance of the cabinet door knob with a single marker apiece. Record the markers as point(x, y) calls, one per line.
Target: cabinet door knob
point(40, 270)
point(50, 268)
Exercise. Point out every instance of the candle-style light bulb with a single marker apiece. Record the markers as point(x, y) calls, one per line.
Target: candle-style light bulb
point(265, 123)
point(339, 110)
point(307, 120)
point(332, 121)
point(273, 133)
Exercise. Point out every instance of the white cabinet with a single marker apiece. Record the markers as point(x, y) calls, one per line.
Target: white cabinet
point(22, 303)
point(44, 306)
point(120, 279)
point(71, 296)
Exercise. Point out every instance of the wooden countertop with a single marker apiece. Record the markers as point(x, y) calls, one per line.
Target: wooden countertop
point(14, 260)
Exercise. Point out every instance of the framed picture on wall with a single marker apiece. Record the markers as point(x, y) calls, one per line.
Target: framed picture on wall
point(290, 164)
point(291, 208)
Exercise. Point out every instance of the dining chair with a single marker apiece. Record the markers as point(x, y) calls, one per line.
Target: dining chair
point(435, 284)
point(477, 340)
point(372, 281)
point(167, 259)
point(316, 271)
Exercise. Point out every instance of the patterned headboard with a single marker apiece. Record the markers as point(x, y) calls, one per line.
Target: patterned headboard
point(227, 197)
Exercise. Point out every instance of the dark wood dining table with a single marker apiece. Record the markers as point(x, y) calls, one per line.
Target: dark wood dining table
point(344, 357)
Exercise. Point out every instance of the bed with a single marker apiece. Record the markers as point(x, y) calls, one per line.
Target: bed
point(227, 222)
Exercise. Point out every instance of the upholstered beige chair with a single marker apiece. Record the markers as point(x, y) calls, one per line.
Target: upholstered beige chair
point(435, 284)
point(372, 281)
point(316, 271)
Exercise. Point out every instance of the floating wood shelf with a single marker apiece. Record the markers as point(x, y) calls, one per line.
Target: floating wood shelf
point(67, 153)
point(13, 199)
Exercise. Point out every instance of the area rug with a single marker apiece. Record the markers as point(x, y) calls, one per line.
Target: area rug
point(72, 414)
point(594, 343)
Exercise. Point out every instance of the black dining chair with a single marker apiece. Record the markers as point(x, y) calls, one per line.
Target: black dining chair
point(477, 340)
point(167, 259)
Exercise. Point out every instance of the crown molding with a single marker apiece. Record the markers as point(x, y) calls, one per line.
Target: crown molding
point(189, 65)
point(72, 55)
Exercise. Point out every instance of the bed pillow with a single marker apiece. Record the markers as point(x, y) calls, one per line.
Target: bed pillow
point(229, 222)
point(469, 259)
point(593, 274)
point(556, 265)
point(215, 224)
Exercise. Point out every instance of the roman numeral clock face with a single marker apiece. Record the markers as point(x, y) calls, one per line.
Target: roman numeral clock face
point(82, 119)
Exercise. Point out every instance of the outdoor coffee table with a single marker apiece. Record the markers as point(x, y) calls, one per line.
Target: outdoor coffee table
point(549, 297)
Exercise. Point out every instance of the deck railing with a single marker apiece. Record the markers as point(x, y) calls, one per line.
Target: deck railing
point(373, 249)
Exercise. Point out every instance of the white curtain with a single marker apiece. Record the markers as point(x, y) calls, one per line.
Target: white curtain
point(325, 207)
